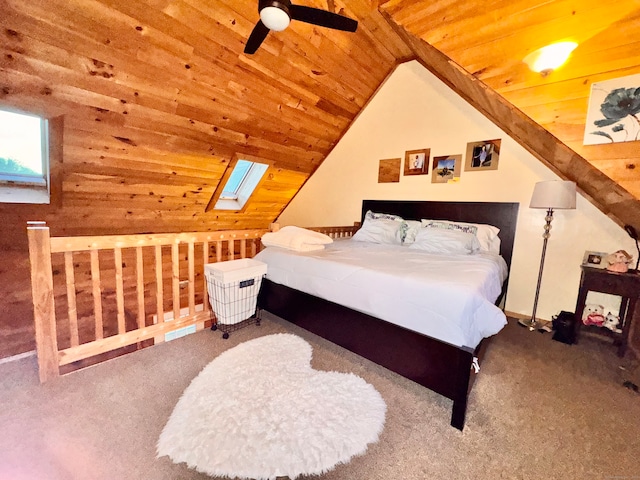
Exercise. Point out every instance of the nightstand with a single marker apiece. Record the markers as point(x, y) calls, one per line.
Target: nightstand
point(625, 285)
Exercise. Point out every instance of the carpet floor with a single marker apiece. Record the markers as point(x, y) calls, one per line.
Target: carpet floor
point(539, 410)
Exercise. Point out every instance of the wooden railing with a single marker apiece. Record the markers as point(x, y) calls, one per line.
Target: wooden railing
point(338, 232)
point(94, 295)
point(144, 291)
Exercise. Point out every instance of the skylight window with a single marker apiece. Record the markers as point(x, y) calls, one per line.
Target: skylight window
point(240, 180)
point(238, 176)
point(24, 165)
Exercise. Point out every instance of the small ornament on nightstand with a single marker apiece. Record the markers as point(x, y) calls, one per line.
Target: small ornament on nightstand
point(611, 322)
point(618, 261)
point(593, 314)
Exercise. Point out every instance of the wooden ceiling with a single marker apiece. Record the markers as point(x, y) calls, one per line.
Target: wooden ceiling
point(489, 39)
point(157, 95)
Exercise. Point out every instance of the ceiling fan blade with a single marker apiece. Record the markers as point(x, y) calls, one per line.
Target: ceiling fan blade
point(256, 38)
point(323, 18)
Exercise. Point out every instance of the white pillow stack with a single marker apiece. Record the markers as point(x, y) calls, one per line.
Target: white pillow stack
point(296, 239)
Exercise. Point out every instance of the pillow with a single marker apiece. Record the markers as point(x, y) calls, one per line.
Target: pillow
point(445, 241)
point(485, 233)
point(408, 228)
point(408, 231)
point(495, 246)
point(445, 224)
point(379, 231)
point(377, 216)
point(297, 239)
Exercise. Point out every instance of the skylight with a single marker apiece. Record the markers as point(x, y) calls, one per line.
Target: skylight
point(238, 176)
point(241, 183)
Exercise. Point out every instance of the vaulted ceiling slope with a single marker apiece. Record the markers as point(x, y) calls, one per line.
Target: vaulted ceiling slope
point(465, 40)
point(157, 96)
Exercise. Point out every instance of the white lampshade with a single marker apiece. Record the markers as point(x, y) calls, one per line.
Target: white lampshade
point(274, 18)
point(554, 194)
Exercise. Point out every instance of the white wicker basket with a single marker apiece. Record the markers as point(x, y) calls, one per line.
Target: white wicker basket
point(233, 288)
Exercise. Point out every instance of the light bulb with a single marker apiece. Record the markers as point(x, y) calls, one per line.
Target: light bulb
point(546, 59)
point(274, 18)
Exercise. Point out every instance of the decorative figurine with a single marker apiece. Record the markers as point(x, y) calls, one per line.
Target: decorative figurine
point(618, 261)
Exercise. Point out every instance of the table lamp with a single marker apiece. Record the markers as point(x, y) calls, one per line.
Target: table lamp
point(550, 195)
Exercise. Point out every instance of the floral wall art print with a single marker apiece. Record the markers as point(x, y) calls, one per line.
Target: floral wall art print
point(614, 111)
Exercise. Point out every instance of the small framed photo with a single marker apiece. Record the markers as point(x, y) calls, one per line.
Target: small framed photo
point(594, 259)
point(416, 162)
point(389, 170)
point(482, 155)
point(446, 169)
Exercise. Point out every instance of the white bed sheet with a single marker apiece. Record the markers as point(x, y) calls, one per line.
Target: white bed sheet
point(448, 297)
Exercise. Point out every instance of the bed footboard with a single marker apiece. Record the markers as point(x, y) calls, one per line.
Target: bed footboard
point(441, 367)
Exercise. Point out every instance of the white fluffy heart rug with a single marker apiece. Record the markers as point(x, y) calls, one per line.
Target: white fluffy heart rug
point(260, 411)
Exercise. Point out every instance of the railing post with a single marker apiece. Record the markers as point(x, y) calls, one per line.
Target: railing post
point(43, 305)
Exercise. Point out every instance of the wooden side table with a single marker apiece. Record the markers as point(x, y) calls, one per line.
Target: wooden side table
point(625, 285)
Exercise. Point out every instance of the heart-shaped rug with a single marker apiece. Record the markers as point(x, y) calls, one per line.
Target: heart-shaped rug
point(260, 411)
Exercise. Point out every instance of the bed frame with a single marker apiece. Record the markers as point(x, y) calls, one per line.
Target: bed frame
point(442, 367)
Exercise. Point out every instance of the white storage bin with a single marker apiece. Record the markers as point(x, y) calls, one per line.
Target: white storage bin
point(233, 288)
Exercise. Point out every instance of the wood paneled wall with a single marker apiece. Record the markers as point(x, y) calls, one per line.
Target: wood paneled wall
point(156, 97)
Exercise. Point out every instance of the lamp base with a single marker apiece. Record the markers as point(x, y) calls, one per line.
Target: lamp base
point(531, 323)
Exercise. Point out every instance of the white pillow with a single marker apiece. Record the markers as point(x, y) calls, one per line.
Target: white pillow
point(495, 246)
point(297, 239)
point(377, 216)
point(379, 231)
point(485, 233)
point(444, 241)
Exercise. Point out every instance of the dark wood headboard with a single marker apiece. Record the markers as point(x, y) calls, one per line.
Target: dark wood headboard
point(499, 214)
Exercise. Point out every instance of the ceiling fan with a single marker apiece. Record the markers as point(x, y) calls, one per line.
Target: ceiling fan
point(276, 14)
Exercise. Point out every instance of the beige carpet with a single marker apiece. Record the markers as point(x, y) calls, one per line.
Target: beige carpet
point(540, 410)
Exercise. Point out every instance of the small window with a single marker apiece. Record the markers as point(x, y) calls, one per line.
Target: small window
point(236, 180)
point(239, 185)
point(24, 158)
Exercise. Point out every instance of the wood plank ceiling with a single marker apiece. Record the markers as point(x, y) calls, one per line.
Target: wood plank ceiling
point(490, 38)
point(157, 97)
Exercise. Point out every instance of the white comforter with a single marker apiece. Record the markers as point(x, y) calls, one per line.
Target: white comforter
point(448, 297)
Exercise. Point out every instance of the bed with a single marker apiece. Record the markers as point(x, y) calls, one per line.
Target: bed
point(441, 360)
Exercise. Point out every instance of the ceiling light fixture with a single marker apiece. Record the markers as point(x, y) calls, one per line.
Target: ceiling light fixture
point(546, 59)
point(276, 17)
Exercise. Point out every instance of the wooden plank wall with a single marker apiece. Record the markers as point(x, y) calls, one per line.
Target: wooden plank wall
point(154, 99)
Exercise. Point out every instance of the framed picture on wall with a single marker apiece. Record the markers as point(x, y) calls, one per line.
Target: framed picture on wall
point(416, 162)
point(612, 115)
point(483, 155)
point(389, 170)
point(446, 169)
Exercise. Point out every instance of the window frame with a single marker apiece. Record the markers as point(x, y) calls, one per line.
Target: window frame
point(41, 190)
point(243, 198)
